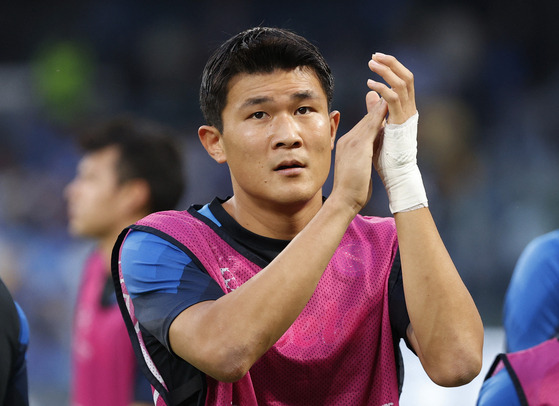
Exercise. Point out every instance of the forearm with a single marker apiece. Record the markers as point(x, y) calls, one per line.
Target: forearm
point(225, 337)
point(447, 329)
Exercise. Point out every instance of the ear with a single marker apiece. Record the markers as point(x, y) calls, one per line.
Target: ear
point(334, 123)
point(210, 138)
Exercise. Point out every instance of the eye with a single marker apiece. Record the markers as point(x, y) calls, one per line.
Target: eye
point(303, 110)
point(259, 115)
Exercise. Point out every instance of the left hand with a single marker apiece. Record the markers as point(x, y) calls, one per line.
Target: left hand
point(395, 152)
point(399, 92)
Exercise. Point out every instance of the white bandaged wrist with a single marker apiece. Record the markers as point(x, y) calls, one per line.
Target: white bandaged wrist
point(397, 166)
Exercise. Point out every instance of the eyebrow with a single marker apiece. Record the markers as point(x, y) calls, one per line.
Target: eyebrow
point(303, 95)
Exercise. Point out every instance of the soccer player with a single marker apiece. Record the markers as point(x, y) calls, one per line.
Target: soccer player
point(277, 294)
point(130, 168)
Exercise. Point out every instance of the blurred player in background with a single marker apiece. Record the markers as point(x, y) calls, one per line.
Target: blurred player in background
point(130, 168)
point(529, 372)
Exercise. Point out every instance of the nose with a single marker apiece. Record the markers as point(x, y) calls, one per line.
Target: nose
point(69, 189)
point(286, 133)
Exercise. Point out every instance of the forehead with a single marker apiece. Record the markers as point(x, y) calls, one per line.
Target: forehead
point(246, 87)
point(104, 159)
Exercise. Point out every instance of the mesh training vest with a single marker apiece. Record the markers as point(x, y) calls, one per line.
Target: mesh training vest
point(339, 351)
point(534, 373)
point(102, 358)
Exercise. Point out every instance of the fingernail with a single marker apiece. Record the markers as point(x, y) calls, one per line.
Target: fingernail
point(378, 53)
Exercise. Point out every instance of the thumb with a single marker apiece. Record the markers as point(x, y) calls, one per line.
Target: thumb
point(371, 99)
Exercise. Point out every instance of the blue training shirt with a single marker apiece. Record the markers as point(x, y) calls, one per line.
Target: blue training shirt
point(531, 310)
point(498, 391)
point(160, 295)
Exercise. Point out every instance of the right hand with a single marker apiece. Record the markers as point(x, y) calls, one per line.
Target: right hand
point(354, 156)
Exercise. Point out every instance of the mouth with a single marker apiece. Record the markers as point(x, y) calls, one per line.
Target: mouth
point(285, 165)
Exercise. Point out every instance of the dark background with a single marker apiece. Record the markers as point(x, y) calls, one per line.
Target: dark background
point(487, 82)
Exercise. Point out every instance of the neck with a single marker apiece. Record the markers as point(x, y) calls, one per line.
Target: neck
point(106, 242)
point(105, 247)
point(282, 222)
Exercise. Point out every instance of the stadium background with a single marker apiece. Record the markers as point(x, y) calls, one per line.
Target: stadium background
point(487, 81)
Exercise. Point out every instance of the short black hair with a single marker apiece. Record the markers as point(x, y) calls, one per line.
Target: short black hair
point(147, 150)
point(258, 50)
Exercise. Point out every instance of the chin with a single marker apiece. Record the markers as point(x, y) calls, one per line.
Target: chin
point(297, 197)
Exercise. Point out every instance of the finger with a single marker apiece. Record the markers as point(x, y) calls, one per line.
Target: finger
point(396, 83)
point(377, 113)
point(371, 99)
point(400, 92)
point(372, 122)
point(397, 68)
point(385, 92)
point(394, 64)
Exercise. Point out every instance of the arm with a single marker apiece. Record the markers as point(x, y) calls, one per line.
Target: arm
point(223, 338)
point(445, 327)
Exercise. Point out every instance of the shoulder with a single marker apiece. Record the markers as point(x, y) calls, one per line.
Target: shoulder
point(162, 219)
point(145, 257)
point(545, 246)
point(531, 308)
point(539, 259)
point(175, 226)
point(145, 244)
point(498, 390)
point(548, 239)
point(141, 248)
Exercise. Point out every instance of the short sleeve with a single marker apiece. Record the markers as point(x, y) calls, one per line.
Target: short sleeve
point(162, 281)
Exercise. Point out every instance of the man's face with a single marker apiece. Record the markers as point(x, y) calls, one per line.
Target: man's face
point(93, 195)
point(278, 136)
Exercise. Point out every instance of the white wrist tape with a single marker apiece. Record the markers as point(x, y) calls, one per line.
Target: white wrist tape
point(397, 167)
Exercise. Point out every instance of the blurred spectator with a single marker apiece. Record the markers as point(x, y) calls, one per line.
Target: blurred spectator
point(131, 168)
